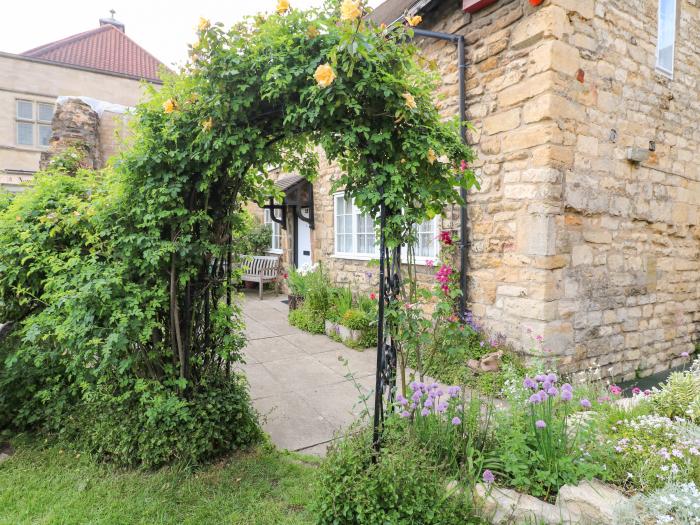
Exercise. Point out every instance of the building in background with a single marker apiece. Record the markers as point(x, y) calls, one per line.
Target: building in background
point(102, 64)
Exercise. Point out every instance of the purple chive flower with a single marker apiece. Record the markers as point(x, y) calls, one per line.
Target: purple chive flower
point(402, 400)
point(567, 386)
point(413, 385)
point(488, 476)
point(442, 407)
point(456, 421)
point(566, 395)
point(439, 393)
point(540, 378)
point(529, 383)
point(405, 413)
point(585, 403)
point(552, 391)
point(685, 354)
point(552, 378)
point(481, 344)
point(543, 395)
point(428, 403)
point(412, 406)
point(534, 399)
point(424, 412)
point(416, 396)
point(454, 391)
point(434, 386)
point(540, 424)
point(546, 385)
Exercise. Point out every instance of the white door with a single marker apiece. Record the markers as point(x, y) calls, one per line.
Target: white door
point(303, 243)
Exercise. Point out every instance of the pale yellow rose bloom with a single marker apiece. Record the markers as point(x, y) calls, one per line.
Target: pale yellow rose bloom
point(410, 101)
point(282, 6)
point(207, 124)
point(169, 105)
point(203, 24)
point(413, 21)
point(431, 156)
point(350, 10)
point(324, 75)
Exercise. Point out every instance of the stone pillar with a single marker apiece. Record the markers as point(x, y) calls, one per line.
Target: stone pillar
point(75, 124)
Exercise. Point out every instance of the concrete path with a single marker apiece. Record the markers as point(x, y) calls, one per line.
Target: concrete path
point(297, 381)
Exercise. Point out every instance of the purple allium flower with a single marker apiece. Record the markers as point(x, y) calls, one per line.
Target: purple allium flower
point(540, 424)
point(552, 378)
point(543, 395)
point(552, 391)
point(454, 391)
point(434, 386)
point(529, 383)
point(534, 399)
point(428, 402)
point(439, 393)
point(585, 403)
point(424, 412)
point(412, 406)
point(567, 386)
point(405, 413)
point(481, 344)
point(416, 396)
point(546, 385)
point(402, 400)
point(442, 407)
point(488, 476)
point(685, 354)
point(540, 378)
point(414, 385)
point(456, 421)
point(566, 395)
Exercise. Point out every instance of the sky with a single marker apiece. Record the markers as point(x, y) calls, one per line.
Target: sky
point(163, 28)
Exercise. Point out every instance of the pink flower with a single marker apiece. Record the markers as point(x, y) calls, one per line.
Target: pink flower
point(647, 392)
point(685, 354)
point(463, 165)
point(488, 475)
point(445, 237)
point(372, 296)
point(636, 391)
point(430, 263)
point(615, 390)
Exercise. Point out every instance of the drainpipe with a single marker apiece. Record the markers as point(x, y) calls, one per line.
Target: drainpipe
point(463, 227)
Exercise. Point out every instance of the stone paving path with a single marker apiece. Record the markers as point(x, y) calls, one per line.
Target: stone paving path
point(297, 382)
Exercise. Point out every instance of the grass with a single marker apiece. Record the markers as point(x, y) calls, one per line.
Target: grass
point(49, 485)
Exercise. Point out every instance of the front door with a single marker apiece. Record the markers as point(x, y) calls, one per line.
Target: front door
point(303, 243)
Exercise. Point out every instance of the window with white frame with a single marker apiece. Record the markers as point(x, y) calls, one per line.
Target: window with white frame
point(276, 244)
point(666, 42)
point(33, 122)
point(355, 236)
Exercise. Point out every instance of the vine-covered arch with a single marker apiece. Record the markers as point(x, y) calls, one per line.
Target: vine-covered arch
point(149, 297)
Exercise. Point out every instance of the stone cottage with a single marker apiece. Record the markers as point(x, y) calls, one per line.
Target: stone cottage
point(586, 121)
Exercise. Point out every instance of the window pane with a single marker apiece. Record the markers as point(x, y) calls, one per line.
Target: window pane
point(25, 133)
point(44, 135)
point(46, 112)
point(25, 109)
point(426, 235)
point(667, 34)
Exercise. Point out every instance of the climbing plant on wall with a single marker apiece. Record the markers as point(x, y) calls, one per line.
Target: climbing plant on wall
point(139, 309)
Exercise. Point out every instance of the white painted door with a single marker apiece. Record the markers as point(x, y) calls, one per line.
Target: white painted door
point(303, 243)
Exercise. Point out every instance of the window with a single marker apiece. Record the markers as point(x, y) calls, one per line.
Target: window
point(355, 236)
point(33, 123)
point(276, 244)
point(666, 43)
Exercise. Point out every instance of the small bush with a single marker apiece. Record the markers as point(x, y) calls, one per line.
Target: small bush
point(148, 425)
point(678, 396)
point(402, 487)
point(306, 319)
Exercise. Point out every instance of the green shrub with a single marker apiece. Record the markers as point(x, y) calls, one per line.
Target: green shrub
point(679, 396)
point(306, 319)
point(250, 237)
point(402, 487)
point(147, 425)
point(341, 301)
point(355, 319)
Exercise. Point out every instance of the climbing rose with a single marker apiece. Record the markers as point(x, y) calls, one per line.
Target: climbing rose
point(373, 296)
point(350, 10)
point(445, 238)
point(324, 75)
point(463, 165)
point(203, 24)
point(169, 105)
point(410, 101)
point(488, 476)
point(413, 21)
point(282, 6)
point(207, 124)
point(312, 32)
point(431, 156)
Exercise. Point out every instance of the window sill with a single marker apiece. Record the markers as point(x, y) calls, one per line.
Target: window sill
point(420, 261)
point(275, 251)
point(664, 73)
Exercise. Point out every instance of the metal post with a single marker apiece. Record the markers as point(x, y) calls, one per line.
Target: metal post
point(463, 232)
point(381, 345)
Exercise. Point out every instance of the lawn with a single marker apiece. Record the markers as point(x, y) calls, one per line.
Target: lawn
point(47, 485)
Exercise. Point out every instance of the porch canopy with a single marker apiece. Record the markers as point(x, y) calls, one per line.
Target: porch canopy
point(298, 195)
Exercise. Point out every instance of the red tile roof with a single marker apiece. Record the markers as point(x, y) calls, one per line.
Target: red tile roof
point(105, 49)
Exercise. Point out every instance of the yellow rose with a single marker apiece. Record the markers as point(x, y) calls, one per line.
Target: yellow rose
point(169, 105)
point(207, 124)
point(431, 156)
point(410, 101)
point(413, 21)
point(324, 75)
point(350, 10)
point(282, 6)
point(312, 32)
point(203, 24)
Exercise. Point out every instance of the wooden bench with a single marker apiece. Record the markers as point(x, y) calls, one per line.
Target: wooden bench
point(261, 269)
